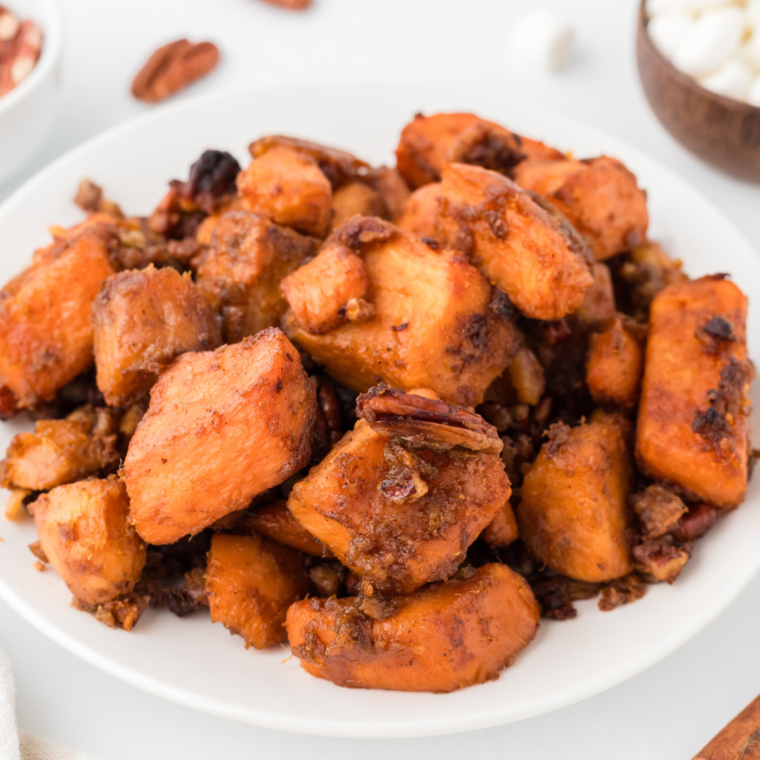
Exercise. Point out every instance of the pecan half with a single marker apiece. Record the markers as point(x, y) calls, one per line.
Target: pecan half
point(426, 421)
point(291, 5)
point(172, 68)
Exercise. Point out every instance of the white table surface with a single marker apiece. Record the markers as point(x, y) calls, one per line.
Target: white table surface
point(671, 710)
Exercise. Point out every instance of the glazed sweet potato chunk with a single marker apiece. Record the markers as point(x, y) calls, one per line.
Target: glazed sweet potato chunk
point(693, 415)
point(240, 275)
point(443, 637)
point(289, 188)
point(143, 320)
point(573, 515)
point(420, 211)
point(400, 498)
point(46, 334)
point(355, 198)
point(614, 365)
point(251, 582)
point(222, 427)
point(276, 521)
point(435, 322)
point(502, 530)
point(426, 144)
point(61, 451)
point(85, 533)
point(598, 305)
point(599, 196)
point(527, 250)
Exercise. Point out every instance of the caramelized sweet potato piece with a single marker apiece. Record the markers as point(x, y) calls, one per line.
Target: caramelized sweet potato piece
point(443, 637)
point(46, 332)
point(528, 251)
point(290, 189)
point(437, 323)
point(599, 196)
point(426, 141)
point(392, 188)
point(85, 533)
point(502, 530)
point(240, 274)
point(143, 320)
point(614, 365)
point(420, 211)
point(251, 582)
point(693, 415)
point(599, 300)
point(61, 451)
point(401, 511)
point(276, 521)
point(573, 515)
point(354, 198)
point(222, 427)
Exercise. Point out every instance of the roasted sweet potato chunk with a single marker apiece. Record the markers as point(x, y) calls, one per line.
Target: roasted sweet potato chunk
point(399, 504)
point(289, 188)
point(251, 582)
point(61, 451)
point(443, 637)
point(276, 521)
point(599, 196)
point(240, 275)
point(355, 198)
point(614, 365)
point(420, 211)
point(574, 516)
point(222, 427)
point(46, 334)
point(502, 530)
point(85, 533)
point(437, 323)
point(392, 188)
point(426, 143)
point(598, 305)
point(527, 250)
point(143, 320)
point(693, 415)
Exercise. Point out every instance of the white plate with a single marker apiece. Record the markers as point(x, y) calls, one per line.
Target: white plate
point(200, 665)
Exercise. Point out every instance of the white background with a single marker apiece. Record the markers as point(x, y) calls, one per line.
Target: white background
point(671, 710)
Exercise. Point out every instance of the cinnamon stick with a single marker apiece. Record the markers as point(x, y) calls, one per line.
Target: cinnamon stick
point(739, 740)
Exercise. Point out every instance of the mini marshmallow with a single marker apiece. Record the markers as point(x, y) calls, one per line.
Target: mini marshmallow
point(655, 7)
point(753, 13)
point(544, 40)
point(753, 94)
point(668, 29)
point(749, 53)
point(714, 38)
point(732, 80)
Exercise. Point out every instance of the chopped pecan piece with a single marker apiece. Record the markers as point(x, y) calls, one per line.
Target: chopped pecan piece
point(172, 68)
point(658, 560)
point(426, 421)
point(658, 510)
point(622, 591)
point(695, 523)
point(90, 198)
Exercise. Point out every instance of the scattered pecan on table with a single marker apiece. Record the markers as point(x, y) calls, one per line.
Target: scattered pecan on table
point(291, 5)
point(172, 68)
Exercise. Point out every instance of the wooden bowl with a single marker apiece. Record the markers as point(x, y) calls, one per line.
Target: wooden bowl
point(721, 131)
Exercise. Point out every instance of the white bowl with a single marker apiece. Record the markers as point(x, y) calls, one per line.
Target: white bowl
point(28, 112)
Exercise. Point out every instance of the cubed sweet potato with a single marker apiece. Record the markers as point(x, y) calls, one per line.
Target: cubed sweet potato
point(614, 365)
point(61, 451)
point(693, 414)
point(443, 637)
point(502, 530)
point(85, 533)
point(391, 186)
point(240, 274)
point(420, 211)
point(289, 188)
point(251, 581)
point(276, 521)
point(143, 320)
point(574, 515)
point(425, 143)
point(46, 334)
point(437, 322)
point(599, 196)
point(599, 300)
point(402, 517)
point(527, 250)
point(222, 427)
point(354, 198)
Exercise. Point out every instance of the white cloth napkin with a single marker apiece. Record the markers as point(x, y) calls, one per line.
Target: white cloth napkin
point(15, 745)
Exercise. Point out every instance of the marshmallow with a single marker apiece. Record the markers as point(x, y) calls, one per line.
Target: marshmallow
point(753, 13)
point(544, 40)
point(668, 29)
point(732, 80)
point(753, 94)
point(749, 53)
point(655, 7)
point(714, 38)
